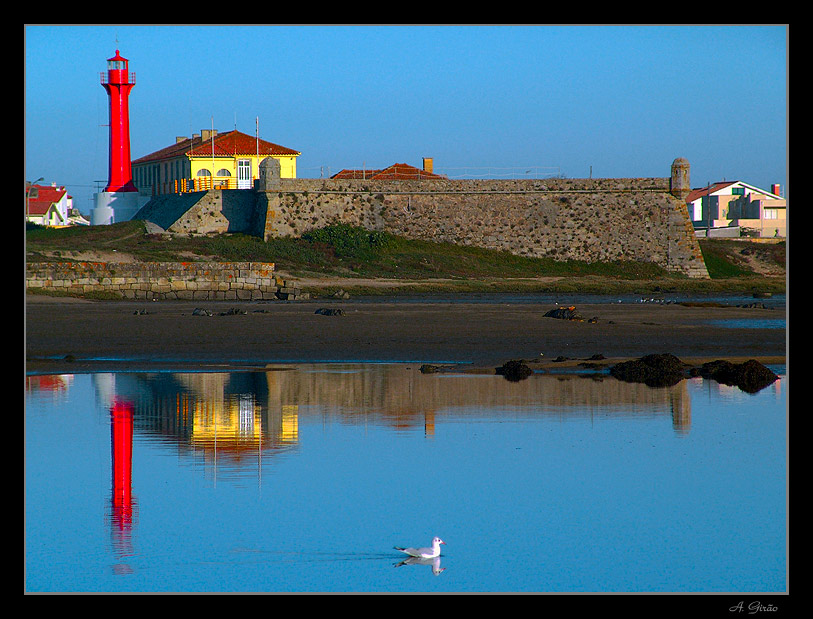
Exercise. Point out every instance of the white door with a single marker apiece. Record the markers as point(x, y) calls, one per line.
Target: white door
point(244, 174)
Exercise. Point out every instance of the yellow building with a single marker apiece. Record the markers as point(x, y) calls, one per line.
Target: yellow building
point(229, 160)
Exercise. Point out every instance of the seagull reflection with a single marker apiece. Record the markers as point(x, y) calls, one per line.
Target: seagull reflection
point(434, 563)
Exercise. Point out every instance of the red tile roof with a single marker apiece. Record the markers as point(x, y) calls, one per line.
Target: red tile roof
point(46, 196)
point(695, 194)
point(397, 171)
point(226, 144)
point(356, 174)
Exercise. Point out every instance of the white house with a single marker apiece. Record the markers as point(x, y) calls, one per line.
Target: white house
point(48, 205)
point(735, 207)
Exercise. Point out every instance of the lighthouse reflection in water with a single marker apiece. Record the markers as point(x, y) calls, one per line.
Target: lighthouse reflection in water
point(121, 502)
point(304, 477)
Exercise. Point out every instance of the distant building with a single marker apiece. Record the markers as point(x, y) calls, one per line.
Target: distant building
point(734, 208)
point(209, 159)
point(397, 171)
point(48, 205)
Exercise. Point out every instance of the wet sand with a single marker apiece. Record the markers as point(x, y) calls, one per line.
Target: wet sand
point(71, 335)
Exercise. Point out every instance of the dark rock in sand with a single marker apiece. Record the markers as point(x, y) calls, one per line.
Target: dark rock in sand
point(234, 311)
point(514, 371)
point(659, 370)
point(329, 311)
point(750, 376)
point(565, 313)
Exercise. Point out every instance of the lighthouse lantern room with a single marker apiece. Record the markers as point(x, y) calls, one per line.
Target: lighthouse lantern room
point(120, 200)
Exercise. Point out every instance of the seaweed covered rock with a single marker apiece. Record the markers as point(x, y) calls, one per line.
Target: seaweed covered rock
point(750, 376)
point(659, 370)
point(565, 313)
point(514, 370)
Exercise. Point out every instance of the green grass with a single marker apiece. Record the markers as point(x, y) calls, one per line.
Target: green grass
point(724, 258)
point(348, 251)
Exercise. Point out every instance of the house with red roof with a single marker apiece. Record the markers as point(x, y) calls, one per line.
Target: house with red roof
point(731, 208)
point(48, 205)
point(229, 160)
point(397, 171)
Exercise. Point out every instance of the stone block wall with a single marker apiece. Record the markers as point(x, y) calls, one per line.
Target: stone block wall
point(205, 281)
point(567, 219)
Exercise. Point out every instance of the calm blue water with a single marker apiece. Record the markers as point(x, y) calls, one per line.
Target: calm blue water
point(304, 477)
point(750, 323)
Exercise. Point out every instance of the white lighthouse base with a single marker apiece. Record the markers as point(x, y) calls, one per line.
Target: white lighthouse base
point(115, 206)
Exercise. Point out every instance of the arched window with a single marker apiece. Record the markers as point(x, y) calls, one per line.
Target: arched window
point(223, 172)
point(204, 172)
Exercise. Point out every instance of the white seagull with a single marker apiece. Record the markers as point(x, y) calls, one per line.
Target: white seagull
point(424, 553)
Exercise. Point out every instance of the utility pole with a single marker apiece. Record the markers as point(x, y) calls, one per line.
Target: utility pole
point(708, 210)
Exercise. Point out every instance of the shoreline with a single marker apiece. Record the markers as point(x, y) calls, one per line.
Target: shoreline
point(68, 335)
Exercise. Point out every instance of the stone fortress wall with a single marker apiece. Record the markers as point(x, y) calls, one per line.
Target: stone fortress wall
point(640, 219)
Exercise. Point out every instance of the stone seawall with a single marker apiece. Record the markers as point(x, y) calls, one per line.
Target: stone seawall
point(239, 281)
point(636, 219)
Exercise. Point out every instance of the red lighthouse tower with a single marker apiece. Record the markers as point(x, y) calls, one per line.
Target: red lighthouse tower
point(118, 82)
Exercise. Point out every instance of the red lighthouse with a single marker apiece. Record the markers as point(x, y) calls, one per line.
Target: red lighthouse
point(118, 82)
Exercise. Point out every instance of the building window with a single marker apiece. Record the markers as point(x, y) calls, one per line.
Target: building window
point(223, 172)
point(738, 191)
point(204, 172)
point(770, 213)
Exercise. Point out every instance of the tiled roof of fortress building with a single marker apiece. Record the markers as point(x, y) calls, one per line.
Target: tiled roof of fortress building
point(397, 171)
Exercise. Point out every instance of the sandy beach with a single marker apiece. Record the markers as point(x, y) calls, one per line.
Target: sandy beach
point(72, 335)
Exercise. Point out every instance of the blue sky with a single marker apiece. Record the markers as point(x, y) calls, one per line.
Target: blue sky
point(624, 100)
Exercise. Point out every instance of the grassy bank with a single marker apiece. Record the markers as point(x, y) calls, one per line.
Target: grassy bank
point(352, 253)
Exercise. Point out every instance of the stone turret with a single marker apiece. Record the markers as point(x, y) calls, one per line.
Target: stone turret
point(270, 174)
point(680, 186)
